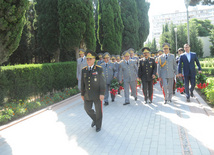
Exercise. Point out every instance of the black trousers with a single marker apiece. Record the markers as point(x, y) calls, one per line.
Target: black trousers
point(148, 87)
point(96, 115)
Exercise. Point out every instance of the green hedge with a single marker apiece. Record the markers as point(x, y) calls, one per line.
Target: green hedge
point(24, 81)
point(208, 70)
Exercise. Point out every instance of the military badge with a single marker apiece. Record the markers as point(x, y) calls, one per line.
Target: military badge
point(95, 79)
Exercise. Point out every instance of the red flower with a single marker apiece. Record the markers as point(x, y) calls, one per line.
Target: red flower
point(121, 88)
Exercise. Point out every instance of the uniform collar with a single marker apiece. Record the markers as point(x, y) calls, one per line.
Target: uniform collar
point(91, 67)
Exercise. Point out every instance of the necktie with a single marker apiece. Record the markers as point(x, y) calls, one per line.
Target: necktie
point(106, 65)
point(89, 69)
point(166, 56)
point(127, 63)
point(82, 60)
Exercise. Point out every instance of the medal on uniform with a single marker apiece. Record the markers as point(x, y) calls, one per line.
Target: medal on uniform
point(95, 79)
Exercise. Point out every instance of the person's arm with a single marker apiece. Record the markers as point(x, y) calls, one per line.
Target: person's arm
point(121, 72)
point(198, 63)
point(102, 83)
point(159, 68)
point(180, 65)
point(115, 70)
point(175, 66)
point(140, 70)
point(77, 70)
point(154, 68)
point(82, 86)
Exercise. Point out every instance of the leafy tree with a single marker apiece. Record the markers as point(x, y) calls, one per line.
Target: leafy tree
point(143, 18)
point(110, 26)
point(12, 20)
point(76, 24)
point(129, 13)
point(204, 26)
point(203, 2)
point(196, 45)
point(153, 46)
point(181, 35)
point(48, 30)
point(24, 53)
point(212, 41)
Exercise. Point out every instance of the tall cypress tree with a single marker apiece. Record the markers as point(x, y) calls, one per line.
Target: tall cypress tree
point(143, 18)
point(48, 30)
point(129, 16)
point(110, 26)
point(76, 25)
point(12, 20)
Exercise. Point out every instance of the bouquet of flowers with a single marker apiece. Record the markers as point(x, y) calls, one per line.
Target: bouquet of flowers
point(201, 81)
point(139, 82)
point(121, 86)
point(179, 85)
point(155, 80)
point(114, 86)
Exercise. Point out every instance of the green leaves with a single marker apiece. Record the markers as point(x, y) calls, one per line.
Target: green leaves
point(11, 25)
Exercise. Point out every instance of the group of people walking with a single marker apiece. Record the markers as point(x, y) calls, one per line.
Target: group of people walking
point(94, 79)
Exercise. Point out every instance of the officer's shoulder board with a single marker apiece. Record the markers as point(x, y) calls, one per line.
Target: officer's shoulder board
point(99, 66)
point(85, 67)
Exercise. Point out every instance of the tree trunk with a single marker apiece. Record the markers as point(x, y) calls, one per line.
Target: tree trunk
point(57, 55)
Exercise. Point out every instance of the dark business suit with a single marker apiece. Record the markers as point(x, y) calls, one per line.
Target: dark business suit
point(92, 86)
point(188, 70)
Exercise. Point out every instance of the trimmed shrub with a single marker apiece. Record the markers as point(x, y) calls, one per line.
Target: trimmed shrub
point(25, 81)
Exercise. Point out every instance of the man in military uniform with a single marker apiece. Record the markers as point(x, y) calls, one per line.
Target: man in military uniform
point(146, 72)
point(167, 70)
point(110, 72)
point(81, 62)
point(93, 89)
point(100, 55)
point(128, 73)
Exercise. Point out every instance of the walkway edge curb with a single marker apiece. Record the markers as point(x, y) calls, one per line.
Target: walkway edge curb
point(37, 112)
point(204, 104)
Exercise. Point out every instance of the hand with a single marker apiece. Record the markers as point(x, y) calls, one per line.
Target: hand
point(153, 76)
point(160, 79)
point(82, 98)
point(138, 79)
point(114, 77)
point(177, 75)
point(199, 72)
point(101, 97)
point(121, 82)
point(180, 75)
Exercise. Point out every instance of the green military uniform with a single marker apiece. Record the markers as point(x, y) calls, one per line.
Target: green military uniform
point(147, 68)
point(92, 86)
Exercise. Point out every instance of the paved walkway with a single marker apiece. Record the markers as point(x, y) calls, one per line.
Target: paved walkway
point(172, 129)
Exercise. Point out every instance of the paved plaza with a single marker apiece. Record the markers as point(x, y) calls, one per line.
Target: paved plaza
point(139, 129)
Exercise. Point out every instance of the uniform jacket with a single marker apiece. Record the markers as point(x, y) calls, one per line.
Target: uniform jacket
point(188, 67)
point(146, 69)
point(109, 72)
point(80, 66)
point(128, 72)
point(169, 70)
point(99, 62)
point(92, 83)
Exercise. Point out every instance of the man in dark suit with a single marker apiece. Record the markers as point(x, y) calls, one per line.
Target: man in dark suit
point(146, 72)
point(187, 62)
point(93, 89)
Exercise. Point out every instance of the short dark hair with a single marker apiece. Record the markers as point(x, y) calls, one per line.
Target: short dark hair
point(187, 44)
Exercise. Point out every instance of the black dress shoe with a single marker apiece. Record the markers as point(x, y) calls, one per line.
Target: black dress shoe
point(173, 92)
point(112, 100)
point(191, 94)
point(92, 124)
point(150, 102)
point(145, 102)
point(126, 103)
point(188, 100)
point(106, 103)
point(165, 102)
point(98, 129)
point(135, 98)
